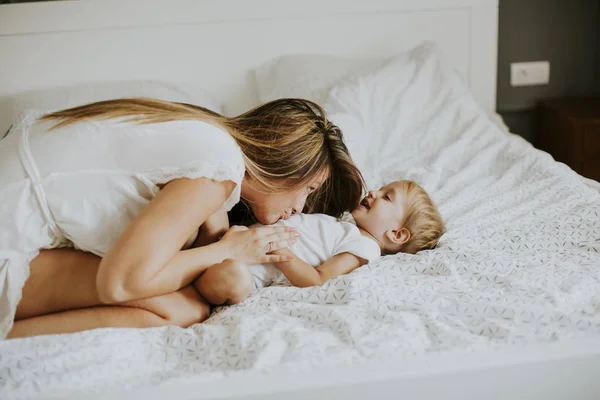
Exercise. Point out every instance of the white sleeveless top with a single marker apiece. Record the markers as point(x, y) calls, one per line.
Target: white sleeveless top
point(82, 184)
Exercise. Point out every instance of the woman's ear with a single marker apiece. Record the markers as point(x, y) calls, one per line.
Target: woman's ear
point(398, 236)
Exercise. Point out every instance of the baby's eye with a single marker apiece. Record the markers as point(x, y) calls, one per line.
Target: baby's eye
point(387, 197)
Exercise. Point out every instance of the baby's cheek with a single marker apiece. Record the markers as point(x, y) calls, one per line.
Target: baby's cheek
point(382, 221)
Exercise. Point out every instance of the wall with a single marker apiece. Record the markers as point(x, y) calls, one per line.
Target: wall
point(597, 85)
point(21, 1)
point(563, 32)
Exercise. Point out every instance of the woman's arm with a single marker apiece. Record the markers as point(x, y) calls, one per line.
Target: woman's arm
point(301, 274)
point(146, 260)
point(210, 232)
point(213, 229)
point(135, 267)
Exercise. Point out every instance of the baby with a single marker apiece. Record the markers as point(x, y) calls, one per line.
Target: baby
point(399, 217)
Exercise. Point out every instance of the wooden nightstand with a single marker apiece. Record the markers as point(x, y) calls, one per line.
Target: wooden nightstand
point(569, 129)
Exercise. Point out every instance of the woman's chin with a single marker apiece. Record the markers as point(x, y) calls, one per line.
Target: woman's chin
point(267, 219)
point(358, 214)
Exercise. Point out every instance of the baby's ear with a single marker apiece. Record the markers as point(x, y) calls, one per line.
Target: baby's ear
point(398, 236)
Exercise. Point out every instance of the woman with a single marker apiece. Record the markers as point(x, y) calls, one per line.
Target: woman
point(131, 184)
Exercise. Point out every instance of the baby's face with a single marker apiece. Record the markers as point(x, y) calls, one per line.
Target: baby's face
point(382, 210)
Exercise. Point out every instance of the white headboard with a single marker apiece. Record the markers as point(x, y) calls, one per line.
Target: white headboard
point(216, 43)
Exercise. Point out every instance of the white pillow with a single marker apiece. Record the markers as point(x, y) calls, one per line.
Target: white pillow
point(396, 119)
point(307, 76)
point(59, 98)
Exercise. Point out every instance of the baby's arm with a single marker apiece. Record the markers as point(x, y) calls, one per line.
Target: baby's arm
point(302, 274)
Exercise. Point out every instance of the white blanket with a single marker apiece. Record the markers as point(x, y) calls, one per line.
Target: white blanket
point(520, 263)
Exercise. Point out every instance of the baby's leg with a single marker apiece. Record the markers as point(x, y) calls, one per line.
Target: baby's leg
point(229, 282)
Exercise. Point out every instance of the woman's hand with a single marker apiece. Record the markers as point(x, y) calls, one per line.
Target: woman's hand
point(255, 246)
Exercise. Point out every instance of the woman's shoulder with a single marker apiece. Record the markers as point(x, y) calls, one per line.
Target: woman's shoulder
point(193, 128)
point(194, 138)
point(211, 138)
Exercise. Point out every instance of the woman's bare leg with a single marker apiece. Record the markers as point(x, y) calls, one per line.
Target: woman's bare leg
point(59, 280)
point(182, 308)
point(84, 319)
point(65, 280)
point(229, 282)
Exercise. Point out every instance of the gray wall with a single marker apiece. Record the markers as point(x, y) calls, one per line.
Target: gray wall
point(564, 32)
point(597, 85)
point(20, 1)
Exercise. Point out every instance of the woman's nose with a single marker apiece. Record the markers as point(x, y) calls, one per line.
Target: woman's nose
point(372, 193)
point(299, 206)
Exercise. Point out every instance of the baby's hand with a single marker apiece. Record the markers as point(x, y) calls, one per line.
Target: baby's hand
point(284, 252)
point(258, 245)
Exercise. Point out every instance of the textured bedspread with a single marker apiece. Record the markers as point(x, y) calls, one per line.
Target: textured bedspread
point(520, 263)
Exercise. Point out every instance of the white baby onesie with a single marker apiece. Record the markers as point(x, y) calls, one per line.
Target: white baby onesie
point(321, 237)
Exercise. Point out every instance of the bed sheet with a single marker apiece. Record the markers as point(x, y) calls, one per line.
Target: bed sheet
point(520, 264)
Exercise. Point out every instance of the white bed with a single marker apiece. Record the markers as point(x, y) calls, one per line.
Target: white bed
point(508, 307)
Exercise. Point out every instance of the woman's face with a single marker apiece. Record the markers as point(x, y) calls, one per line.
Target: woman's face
point(269, 207)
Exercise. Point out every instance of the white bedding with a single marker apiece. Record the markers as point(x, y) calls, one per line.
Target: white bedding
point(520, 262)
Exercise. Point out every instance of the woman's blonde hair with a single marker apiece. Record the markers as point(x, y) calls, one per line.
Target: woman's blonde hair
point(422, 219)
point(286, 143)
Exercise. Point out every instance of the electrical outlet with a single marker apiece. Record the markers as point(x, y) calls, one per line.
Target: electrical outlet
point(530, 73)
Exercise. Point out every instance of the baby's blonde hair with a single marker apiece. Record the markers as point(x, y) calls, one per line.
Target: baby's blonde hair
point(422, 220)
